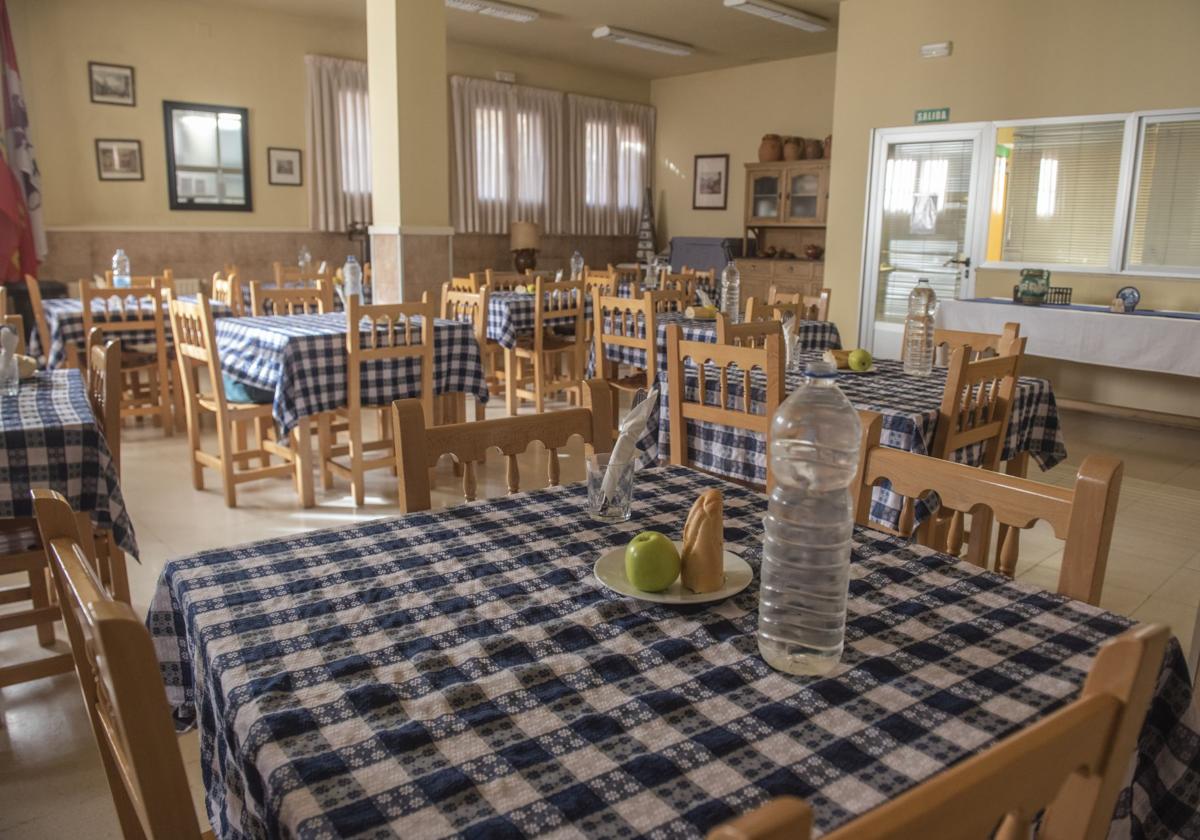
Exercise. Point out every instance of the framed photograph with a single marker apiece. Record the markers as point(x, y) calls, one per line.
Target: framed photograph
point(119, 160)
point(283, 167)
point(710, 182)
point(111, 84)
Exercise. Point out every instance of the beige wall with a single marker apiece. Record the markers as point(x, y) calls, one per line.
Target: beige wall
point(728, 112)
point(1014, 59)
point(482, 62)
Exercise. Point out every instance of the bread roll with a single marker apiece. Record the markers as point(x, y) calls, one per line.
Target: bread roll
point(703, 552)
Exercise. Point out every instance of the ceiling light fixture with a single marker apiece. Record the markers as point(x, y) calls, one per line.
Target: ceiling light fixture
point(494, 8)
point(644, 42)
point(780, 14)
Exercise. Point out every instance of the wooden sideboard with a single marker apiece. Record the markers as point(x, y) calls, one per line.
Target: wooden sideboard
point(758, 275)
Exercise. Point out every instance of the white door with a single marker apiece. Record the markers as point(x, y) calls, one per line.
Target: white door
point(921, 222)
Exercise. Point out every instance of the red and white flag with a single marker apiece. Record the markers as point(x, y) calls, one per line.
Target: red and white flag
point(20, 183)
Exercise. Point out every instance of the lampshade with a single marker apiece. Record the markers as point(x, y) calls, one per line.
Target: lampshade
point(524, 235)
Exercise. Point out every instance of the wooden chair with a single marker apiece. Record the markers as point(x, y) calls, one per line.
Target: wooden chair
point(1068, 768)
point(122, 686)
point(685, 283)
point(706, 279)
point(472, 307)
point(784, 305)
point(393, 333)
point(1082, 516)
point(196, 351)
point(473, 282)
point(42, 325)
point(550, 344)
point(17, 324)
point(629, 278)
point(418, 447)
point(166, 279)
point(748, 333)
point(624, 322)
point(103, 383)
point(227, 290)
point(147, 391)
point(705, 357)
point(288, 275)
point(504, 281)
point(307, 300)
point(980, 344)
point(3, 301)
point(605, 281)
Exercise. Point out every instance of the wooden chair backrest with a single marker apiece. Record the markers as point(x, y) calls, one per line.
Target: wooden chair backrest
point(685, 283)
point(784, 305)
point(166, 279)
point(1082, 516)
point(473, 282)
point(227, 290)
point(629, 277)
point(748, 333)
point(470, 307)
point(625, 322)
point(17, 324)
point(669, 300)
point(384, 331)
point(194, 334)
point(39, 313)
point(104, 389)
point(504, 281)
point(294, 275)
point(138, 307)
point(557, 302)
point(706, 278)
point(768, 359)
point(307, 300)
point(419, 446)
point(603, 281)
point(1071, 764)
point(980, 344)
point(121, 682)
point(977, 403)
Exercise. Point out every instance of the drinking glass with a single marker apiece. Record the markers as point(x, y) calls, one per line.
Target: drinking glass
point(609, 500)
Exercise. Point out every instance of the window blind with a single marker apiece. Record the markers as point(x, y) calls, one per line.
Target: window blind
point(1062, 193)
point(1165, 229)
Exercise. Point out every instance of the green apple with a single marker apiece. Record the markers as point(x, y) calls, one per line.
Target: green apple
point(651, 562)
point(860, 359)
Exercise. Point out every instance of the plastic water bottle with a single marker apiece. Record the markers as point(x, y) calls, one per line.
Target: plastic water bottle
point(815, 438)
point(918, 330)
point(120, 270)
point(731, 292)
point(576, 266)
point(352, 277)
point(304, 260)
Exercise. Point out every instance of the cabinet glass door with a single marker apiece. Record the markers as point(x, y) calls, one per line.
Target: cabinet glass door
point(764, 196)
point(804, 192)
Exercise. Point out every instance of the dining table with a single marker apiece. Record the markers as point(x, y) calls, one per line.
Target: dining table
point(463, 673)
point(64, 318)
point(302, 361)
point(909, 405)
point(49, 439)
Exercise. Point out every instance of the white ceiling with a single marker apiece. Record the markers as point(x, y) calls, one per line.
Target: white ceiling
point(721, 37)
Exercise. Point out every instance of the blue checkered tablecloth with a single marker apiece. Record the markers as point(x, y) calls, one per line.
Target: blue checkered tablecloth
point(909, 405)
point(511, 315)
point(812, 335)
point(462, 673)
point(49, 439)
point(302, 359)
point(64, 317)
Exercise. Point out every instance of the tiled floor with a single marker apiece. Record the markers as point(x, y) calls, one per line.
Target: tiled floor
point(51, 782)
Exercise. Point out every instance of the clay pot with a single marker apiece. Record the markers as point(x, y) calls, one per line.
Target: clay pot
point(793, 148)
point(770, 149)
point(813, 251)
point(828, 147)
point(813, 149)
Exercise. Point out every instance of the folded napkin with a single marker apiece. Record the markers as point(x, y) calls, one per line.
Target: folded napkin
point(706, 302)
point(789, 340)
point(625, 448)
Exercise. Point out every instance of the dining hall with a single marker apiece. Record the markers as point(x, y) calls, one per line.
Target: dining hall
point(716, 419)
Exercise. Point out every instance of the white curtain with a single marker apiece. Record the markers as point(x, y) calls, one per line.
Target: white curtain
point(508, 156)
point(338, 124)
point(611, 148)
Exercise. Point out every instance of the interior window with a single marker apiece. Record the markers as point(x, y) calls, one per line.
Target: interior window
point(208, 156)
point(1164, 232)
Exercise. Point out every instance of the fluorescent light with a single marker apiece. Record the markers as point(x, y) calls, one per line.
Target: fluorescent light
point(494, 8)
point(780, 14)
point(644, 42)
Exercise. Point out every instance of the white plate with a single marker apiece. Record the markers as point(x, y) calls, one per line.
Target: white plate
point(610, 570)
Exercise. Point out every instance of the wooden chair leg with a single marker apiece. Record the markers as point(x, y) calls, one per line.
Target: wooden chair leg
point(39, 594)
point(262, 431)
point(356, 461)
point(539, 382)
point(325, 448)
point(225, 446)
point(1008, 540)
point(510, 382)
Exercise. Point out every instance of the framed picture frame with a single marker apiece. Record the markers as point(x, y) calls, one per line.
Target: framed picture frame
point(283, 167)
point(111, 84)
point(119, 160)
point(710, 182)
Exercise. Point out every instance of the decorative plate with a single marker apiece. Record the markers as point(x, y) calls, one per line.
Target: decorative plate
point(610, 571)
point(1130, 296)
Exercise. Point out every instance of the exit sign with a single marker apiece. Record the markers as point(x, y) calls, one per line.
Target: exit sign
point(932, 115)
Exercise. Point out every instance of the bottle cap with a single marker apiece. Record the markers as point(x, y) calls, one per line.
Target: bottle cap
point(820, 370)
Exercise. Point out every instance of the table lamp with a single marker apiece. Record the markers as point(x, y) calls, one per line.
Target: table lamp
point(524, 246)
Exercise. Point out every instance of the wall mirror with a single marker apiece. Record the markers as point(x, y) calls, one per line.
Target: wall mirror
point(208, 156)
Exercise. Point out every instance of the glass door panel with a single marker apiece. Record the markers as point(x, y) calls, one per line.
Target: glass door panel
point(764, 197)
point(803, 195)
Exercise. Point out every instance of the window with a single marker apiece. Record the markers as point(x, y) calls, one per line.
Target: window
point(531, 159)
point(1164, 232)
point(208, 151)
point(595, 153)
point(1057, 195)
point(631, 161)
point(491, 158)
point(354, 146)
